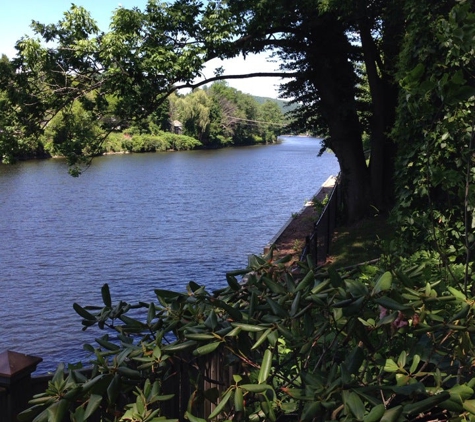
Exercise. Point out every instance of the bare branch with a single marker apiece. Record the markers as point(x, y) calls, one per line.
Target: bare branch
point(244, 76)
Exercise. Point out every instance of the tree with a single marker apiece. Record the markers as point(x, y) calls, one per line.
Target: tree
point(147, 55)
point(314, 346)
point(16, 140)
point(270, 112)
point(193, 111)
point(327, 76)
point(435, 130)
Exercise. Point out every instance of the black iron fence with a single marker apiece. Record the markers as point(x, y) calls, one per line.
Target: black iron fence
point(317, 245)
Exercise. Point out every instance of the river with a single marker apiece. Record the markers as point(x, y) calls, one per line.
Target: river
point(136, 222)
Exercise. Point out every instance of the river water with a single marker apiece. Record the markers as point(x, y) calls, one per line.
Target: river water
point(137, 222)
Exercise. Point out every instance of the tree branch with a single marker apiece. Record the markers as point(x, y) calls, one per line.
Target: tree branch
point(244, 76)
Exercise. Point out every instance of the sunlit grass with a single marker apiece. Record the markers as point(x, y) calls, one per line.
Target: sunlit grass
point(360, 242)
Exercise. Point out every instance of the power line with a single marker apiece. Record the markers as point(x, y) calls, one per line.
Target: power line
point(258, 121)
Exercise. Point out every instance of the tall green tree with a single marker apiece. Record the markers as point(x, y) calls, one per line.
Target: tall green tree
point(193, 111)
point(435, 131)
point(148, 54)
point(324, 46)
point(15, 128)
point(270, 112)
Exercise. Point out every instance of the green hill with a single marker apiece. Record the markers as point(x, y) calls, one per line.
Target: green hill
point(283, 104)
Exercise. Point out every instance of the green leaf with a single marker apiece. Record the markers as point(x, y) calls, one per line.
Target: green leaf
point(295, 304)
point(425, 404)
point(221, 404)
point(265, 366)
point(151, 313)
point(30, 413)
point(383, 283)
point(256, 388)
point(212, 321)
point(168, 294)
point(178, 346)
point(132, 322)
point(92, 405)
point(356, 405)
point(356, 288)
point(233, 313)
point(409, 389)
point(78, 415)
point(463, 392)
point(391, 366)
point(392, 415)
point(192, 418)
point(452, 406)
point(375, 414)
point(248, 327)
point(107, 344)
point(91, 383)
point(402, 359)
point(262, 338)
point(458, 294)
point(335, 278)
point(83, 313)
point(206, 349)
point(106, 296)
point(234, 332)
point(238, 400)
point(308, 280)
point(354, 360)
point(113, 388)
point(128, 372)
point(57, 411)
point(199, 336)
point(354, 307)
point(388, 303)
point(469, 405)
point(415, 363)
point(310, 411)
point(232, 282)
point(319, 287)
point(276, 308)
point(273, 286)
point(415, 74)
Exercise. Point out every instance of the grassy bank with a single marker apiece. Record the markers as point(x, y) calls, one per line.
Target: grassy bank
point(360, 242)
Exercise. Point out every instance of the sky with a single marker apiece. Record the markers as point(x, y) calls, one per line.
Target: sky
point(16, 16)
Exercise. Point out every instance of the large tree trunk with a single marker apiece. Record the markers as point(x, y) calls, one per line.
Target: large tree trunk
point(354, 178)
point(380, 67)
point(334, 79)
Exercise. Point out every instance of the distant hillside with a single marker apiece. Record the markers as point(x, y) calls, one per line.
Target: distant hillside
point(284, 106)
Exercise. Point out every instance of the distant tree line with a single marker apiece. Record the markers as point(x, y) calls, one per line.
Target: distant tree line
point(212, 117)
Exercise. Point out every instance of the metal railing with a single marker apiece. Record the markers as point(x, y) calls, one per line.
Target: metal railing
point(317, 245)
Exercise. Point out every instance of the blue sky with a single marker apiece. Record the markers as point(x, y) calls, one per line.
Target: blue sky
point(16, 16)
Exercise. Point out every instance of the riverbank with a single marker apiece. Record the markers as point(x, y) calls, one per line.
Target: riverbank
point(291, 238)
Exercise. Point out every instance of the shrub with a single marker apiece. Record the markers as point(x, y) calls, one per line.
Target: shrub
point(310, 346)
point(114, 143)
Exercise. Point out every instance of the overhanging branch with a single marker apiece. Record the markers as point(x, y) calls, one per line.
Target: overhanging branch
point(244, 76)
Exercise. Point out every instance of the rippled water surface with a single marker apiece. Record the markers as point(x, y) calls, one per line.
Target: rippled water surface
point(137, 222)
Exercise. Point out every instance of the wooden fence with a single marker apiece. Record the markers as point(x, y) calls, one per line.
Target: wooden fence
point(188, 375)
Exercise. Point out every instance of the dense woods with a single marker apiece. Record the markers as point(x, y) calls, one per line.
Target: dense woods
point(390, 86)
